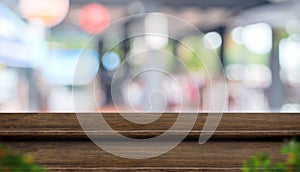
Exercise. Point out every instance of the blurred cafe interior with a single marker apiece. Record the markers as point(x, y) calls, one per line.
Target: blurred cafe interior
point(253, 46)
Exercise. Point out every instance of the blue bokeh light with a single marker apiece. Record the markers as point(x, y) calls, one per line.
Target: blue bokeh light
point(111, 60)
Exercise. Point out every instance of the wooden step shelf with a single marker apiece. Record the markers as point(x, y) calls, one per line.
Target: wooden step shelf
point(58, 143)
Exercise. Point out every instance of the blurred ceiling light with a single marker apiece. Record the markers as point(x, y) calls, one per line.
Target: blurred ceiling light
point(289, 54)
point(237, 35)
point(258, 37)
point(212, 40)
point(111, 60)
point(292, 26)
point(156, 30)
point(94, 18)
point(51, 12)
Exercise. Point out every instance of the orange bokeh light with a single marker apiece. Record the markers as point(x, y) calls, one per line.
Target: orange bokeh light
point(50, 12)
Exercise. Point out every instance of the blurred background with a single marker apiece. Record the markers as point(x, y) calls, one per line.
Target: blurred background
point(256, 42)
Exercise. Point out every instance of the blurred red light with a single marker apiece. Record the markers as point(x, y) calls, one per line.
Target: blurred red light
point(94, 18)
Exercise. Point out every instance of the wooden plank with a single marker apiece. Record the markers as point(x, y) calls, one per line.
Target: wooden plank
point(211, 156)
point(58, 143)
point(66, 126)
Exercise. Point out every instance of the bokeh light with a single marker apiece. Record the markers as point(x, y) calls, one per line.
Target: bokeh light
point(111, 60)
point(94, 18)
point(237, 35)
point(50, 12)
point(212, 40)
point(156, 29)
point(258, 37)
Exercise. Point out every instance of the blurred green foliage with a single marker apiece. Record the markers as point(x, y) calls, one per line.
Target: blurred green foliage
point(69, 41)
point(238, 53)
point(11, 162)
point(196, 56)
point(262, 162)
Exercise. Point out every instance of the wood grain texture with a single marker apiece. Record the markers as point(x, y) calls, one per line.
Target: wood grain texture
point(58, 143)
point(65, 125)
point(187, 155)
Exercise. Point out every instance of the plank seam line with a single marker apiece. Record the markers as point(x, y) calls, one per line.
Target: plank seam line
point(142, 131)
